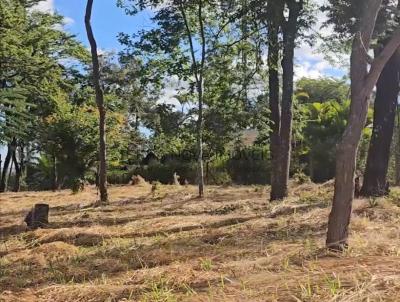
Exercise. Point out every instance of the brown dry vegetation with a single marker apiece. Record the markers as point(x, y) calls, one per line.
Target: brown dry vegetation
point(167, 245)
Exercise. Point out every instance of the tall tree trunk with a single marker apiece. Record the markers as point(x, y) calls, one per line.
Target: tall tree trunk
point(200, 141)
point(387, 90)
point(397, 151)
point(1, 162)
point(274, 19)
point(10, 151)
point(281, 158)
point(198, 72)
point(18, 173)
point(55, 174)
point(10, 171)
point(100, 106)
point(363, 81)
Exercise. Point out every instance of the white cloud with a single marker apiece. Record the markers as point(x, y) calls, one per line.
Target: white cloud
point(310, 61)
point(45, 6)
point(48, 6)
point(169, 94)
point(68, 21)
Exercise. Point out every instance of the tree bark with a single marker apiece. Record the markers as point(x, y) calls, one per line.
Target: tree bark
point(387, 91)
point(201, 100)
point(362, 84)
point(18, 173)
point(275, 12)
point(198, 72)
point(55, 174)
point(397, 151)
point(10, 151)
point(100, 106)
point(283, 145)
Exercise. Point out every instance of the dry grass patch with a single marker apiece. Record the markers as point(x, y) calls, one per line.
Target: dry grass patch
point(232, 245)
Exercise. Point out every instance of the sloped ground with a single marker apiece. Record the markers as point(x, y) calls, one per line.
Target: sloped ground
point(171, 246)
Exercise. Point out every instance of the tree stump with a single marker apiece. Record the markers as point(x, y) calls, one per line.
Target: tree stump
point(176, 179)
point(38, 217)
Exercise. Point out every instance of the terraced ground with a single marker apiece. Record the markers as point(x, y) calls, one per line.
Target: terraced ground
point(168, 245)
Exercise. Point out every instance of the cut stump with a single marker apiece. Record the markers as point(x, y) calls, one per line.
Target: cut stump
point(38, 217)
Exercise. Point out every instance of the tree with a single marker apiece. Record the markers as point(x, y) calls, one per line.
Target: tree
point(186, 41)
point(198, 72)
point(385, 106)
point(281, 106)
point(325, 124)
point(32, 46)
point(323, 89)
point(387, 89)
point(100, 106)
point(363, 80)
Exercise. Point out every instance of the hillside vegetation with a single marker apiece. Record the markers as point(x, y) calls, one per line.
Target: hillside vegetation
point(167, 245)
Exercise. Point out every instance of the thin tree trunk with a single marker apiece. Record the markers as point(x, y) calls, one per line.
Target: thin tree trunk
point(55, 174)
point(198, 72)
point(387, 91)
point(18, 170)
point(10, 171)
point(5, 170)
point(10, 150)
point(274, 19)
point(200, 142)
point(311, 166)
point(1, 162)
point(363, 81)
point(100, 106)
point(201, 98)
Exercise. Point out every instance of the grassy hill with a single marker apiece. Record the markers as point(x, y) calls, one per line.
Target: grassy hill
point(171, 246)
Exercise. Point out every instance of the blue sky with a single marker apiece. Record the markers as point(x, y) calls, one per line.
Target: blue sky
point(107, 20)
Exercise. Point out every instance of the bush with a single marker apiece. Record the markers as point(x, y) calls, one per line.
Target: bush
point(120, 177)
point(164, 172)
point(301, 178)
point(250, 166)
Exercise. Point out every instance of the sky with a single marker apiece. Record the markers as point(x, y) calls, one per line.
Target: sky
point(108, 20)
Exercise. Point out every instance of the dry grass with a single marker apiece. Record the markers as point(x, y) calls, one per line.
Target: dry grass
point(167, 245)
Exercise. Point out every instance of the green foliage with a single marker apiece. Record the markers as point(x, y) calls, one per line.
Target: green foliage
point(230, 98)
point(250, 165)
point(321, 109)
point(301, 178)
point(164, 172)
point(322, 90)
point(40, 174)
point(326, 123)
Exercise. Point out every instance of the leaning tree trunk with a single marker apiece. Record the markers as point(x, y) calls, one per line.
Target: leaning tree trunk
point(363, 81)
point(100, 106)
point(387, 90)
